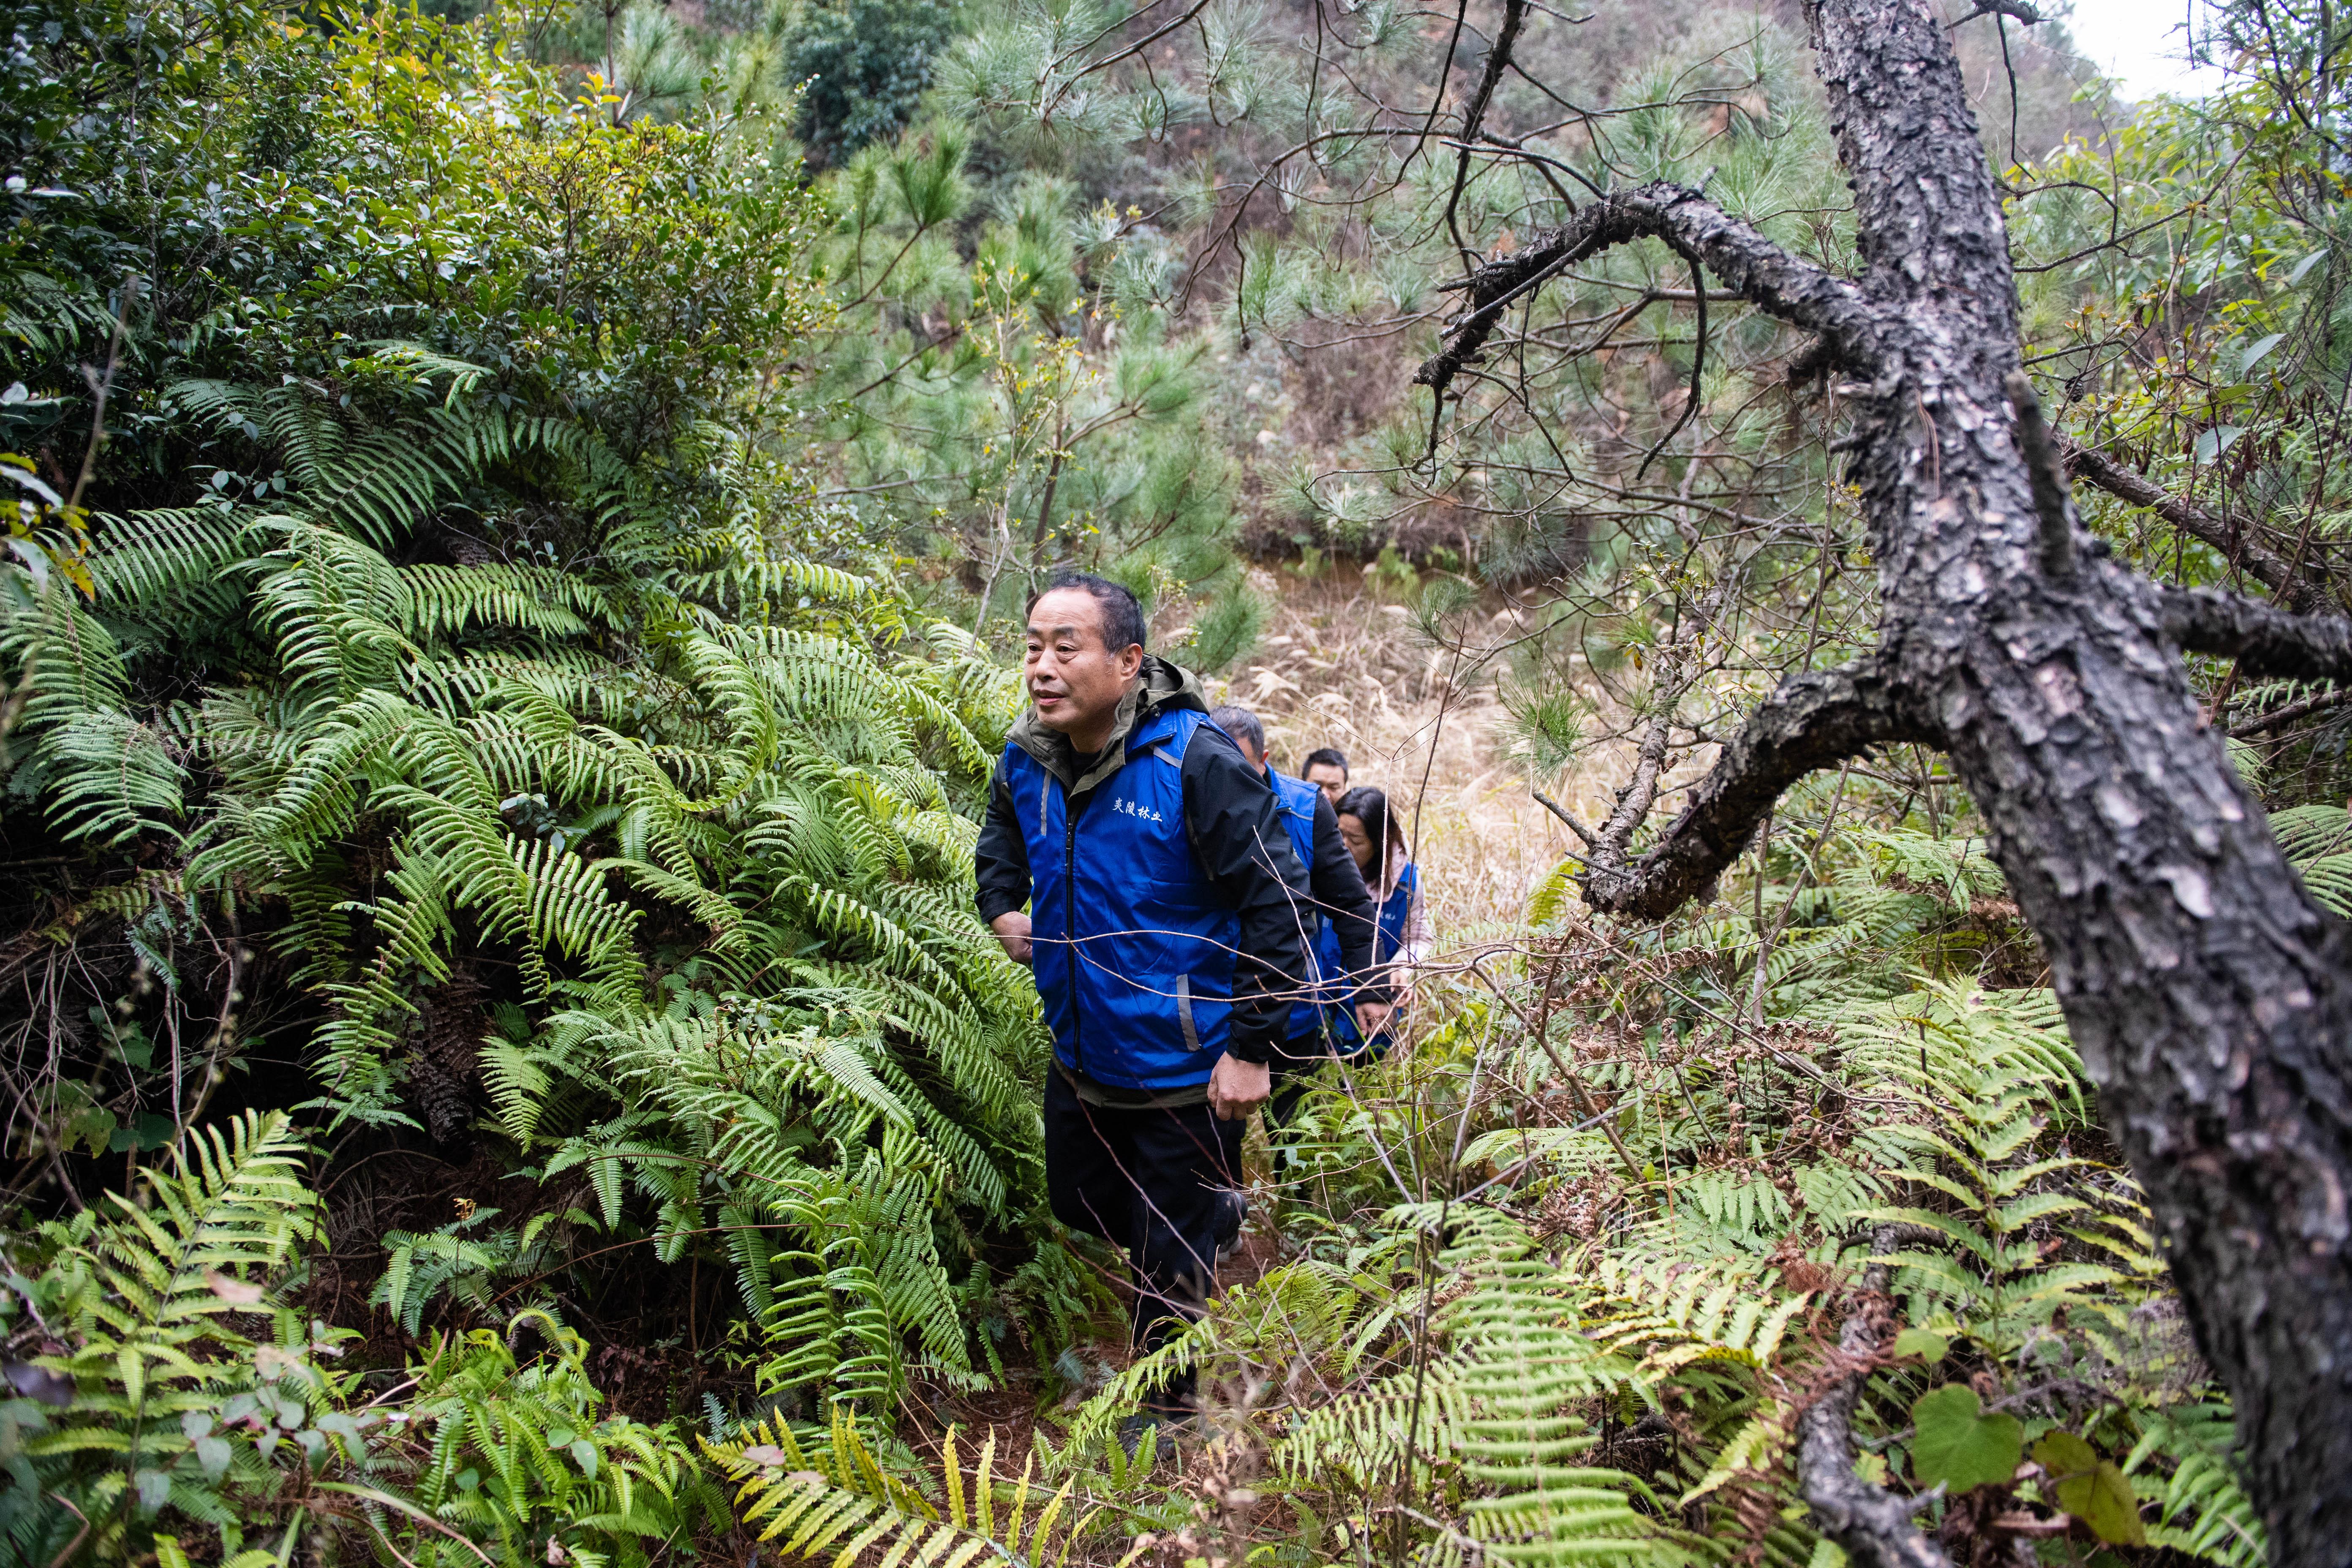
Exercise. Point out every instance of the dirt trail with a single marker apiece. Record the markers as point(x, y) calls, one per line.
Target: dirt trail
point(1339, 666)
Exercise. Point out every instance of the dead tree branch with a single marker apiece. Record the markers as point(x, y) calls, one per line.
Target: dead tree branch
point(2051, 510)
point(2265, 639)
point(2015, 9)
point(1575, 824)
point(1640, 792)
point(2296, 590)
point(1698, 365)
point(1749, 265)
point(2280, 718)
point(1814, 721)
point(1498, 59)
point(1874, 1527)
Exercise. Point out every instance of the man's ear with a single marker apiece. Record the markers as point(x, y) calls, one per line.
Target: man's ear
point(1130, 660)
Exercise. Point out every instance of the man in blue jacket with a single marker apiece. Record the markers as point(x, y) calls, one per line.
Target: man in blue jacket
point(1164, 920)
point(1342, 923)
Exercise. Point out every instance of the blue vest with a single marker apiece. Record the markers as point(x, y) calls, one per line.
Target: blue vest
point(1395, 910)
point(1295, 798)
point(1133, 950)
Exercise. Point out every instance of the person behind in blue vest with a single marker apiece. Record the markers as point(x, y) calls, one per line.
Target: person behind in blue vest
point(1164, 906)
point(1375, 838)
point(1340, 921)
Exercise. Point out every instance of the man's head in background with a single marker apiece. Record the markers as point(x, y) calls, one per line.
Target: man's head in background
point(1246, 732)
point(1327, 770)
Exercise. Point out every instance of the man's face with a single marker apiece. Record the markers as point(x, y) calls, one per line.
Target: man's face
point(1073, 680)
point(1250, 753)
point(1332, 781)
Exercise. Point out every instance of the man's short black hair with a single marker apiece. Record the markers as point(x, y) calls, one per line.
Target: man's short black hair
point(1242, 725)
point(1325, 757)
point(1122, 618)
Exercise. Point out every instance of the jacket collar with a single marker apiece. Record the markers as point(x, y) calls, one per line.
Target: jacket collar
point(1161, 688)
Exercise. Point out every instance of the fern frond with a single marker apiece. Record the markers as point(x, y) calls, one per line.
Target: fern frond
point(234, 1206)
point(843, 1502)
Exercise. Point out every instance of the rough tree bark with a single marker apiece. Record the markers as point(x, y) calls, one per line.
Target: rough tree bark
point(1875, 1529)
point(2211, 999)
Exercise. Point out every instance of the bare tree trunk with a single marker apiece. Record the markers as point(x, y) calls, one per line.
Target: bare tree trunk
point(2211, 999)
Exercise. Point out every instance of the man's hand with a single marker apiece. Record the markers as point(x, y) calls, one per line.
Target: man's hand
point(1012, 931)
point(1370, 1015)
point(1236, 1088)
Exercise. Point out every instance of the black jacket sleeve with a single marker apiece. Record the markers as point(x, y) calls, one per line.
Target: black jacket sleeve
point(1340, 894)
point(1238, 838)
point(1002, 855)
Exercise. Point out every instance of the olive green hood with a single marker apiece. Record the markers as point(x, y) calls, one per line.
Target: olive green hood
point(1160, 685)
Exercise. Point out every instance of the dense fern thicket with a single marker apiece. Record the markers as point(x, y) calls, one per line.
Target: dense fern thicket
point(496, 676)
point(451, 719)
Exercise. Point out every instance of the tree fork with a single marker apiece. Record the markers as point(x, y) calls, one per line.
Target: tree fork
point(2210, 997)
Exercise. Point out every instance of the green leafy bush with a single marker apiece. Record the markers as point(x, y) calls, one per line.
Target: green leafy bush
point(485, 636)
point(148, 1399)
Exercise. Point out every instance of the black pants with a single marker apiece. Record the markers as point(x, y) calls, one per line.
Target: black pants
point(1146, 1180)
point(1293, 1065)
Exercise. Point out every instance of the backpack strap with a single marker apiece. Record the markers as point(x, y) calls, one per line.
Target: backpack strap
point(1166, 738)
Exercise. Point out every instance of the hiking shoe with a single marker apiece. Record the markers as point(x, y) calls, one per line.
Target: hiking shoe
point(1164, 1427)
point(1233, 1208)
point(1146, 1425)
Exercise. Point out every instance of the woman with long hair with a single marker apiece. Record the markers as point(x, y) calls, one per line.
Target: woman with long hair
point(1375, 838)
